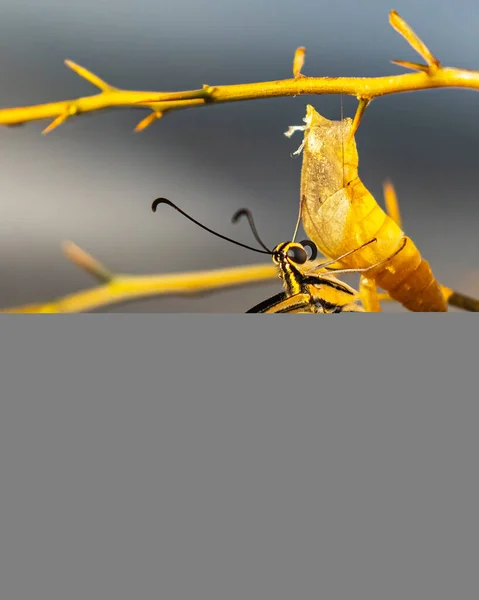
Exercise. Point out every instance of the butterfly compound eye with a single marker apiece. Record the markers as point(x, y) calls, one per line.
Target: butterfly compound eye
point(312, 246)
point(298, 255)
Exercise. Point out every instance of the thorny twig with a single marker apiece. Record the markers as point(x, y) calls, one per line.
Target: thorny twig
point(429, 75)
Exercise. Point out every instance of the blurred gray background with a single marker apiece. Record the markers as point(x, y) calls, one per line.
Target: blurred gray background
point(92, 180)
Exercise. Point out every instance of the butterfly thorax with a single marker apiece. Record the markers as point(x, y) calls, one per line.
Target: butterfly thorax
point(290, 274)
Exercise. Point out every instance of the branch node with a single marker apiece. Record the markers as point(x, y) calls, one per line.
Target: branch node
point(207, 92)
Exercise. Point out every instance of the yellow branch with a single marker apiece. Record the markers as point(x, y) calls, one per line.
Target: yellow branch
point(133, 287)
point(117, 288)
point(430, 75)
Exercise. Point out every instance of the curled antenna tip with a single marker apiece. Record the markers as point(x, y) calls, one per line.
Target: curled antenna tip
point(155, 203)
point(242, 212)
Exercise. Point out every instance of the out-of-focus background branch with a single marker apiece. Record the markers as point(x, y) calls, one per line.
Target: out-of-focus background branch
point(92, 180)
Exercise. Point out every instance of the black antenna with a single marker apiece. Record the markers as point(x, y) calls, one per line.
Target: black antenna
point(244, 212)
point(158, 201)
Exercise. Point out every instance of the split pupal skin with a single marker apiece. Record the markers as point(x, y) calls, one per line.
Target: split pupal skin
point(330, 158)
point(339, 213)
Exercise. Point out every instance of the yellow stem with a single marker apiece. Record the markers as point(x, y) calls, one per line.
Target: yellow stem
point(365, 88)
point(123, 288)
point(432, 75)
